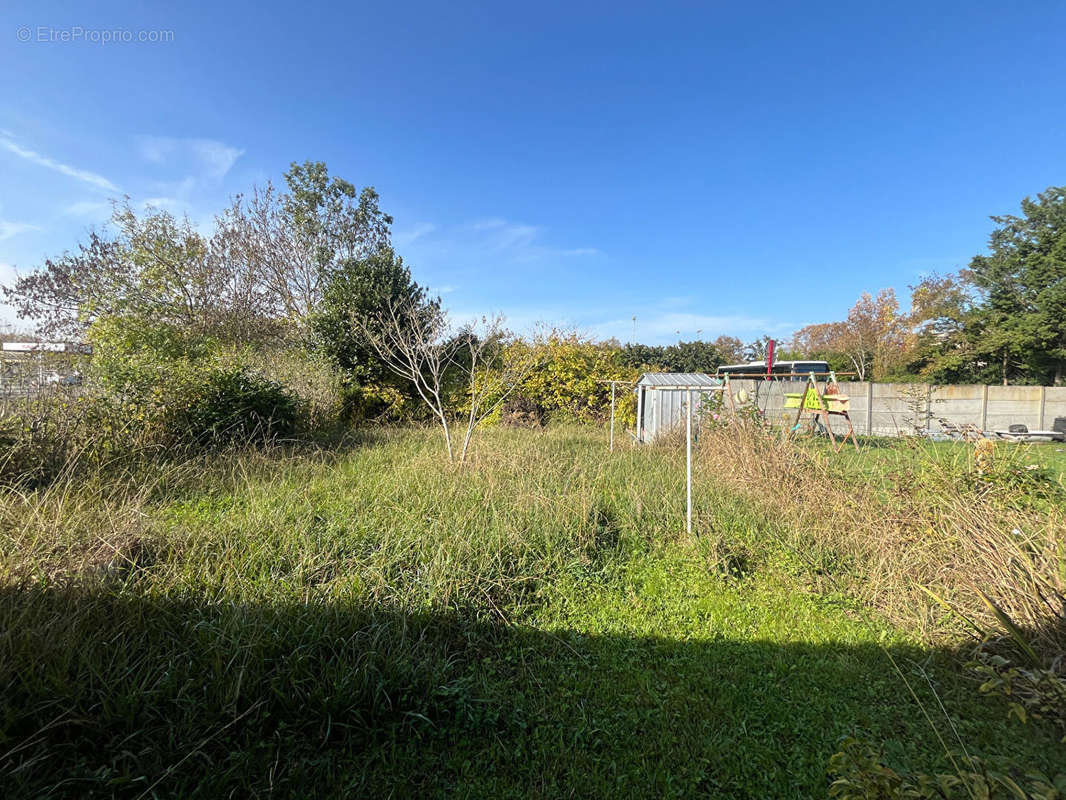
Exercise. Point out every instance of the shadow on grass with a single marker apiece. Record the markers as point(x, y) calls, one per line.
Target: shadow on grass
point(109, 692)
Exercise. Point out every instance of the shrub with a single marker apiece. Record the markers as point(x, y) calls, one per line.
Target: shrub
point(320, 391)
point(233, 404)
point(937, 547)
point(519, 411)
point(568, 385)
point(60, 430)
point(372, 402)
point(135, 358)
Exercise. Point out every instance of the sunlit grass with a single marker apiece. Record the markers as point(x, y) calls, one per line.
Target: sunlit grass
point(310, 622)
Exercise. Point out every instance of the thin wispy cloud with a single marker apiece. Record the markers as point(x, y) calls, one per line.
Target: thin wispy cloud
point(161, 202)
point(84, 175)
point(654, 326)
point(88, 208)
point(209, 158)
point(9, 229)
point(502, 236)
point(487, 242)
point(666, 326)
point(404, 238)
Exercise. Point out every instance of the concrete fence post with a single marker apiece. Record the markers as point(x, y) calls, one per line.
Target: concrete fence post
point(870, 408)
point(1043, 407)
point(984, 407)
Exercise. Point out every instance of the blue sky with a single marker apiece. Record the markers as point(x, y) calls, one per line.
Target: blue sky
point(730, 168)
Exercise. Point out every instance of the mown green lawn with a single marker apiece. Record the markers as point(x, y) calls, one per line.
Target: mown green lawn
point(376, 623)
point(879, 457)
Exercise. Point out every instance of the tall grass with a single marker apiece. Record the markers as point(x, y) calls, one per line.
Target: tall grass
point(271, 621)
point(934, 542)
point(147, 611)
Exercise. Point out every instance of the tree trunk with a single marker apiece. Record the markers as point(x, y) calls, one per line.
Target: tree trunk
point(447, 437)
point(470, 425)
point(1004, 369)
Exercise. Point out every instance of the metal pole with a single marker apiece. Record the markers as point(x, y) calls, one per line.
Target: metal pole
point(640, 414)
point(612, 416)
point(688, 462)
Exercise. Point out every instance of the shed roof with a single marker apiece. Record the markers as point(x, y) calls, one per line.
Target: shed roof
point(679, 380)
point(45, 347)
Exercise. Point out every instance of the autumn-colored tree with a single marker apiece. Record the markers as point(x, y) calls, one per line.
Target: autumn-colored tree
point(730, 348)
point(875, 334)
point(818, 339)
point(872, 338)
point(938, 341)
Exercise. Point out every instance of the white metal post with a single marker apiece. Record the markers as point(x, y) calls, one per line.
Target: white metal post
point(688, 462)
point(640, 414)
point(612, 416)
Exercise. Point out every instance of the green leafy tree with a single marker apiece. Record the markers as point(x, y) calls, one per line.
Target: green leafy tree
point(267, 262)
point(361, 290)
point(295, 242)
point(1021, 319)
point(333, 220)
point(697, 356)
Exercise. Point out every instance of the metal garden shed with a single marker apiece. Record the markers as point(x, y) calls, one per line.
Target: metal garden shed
point(661, 400)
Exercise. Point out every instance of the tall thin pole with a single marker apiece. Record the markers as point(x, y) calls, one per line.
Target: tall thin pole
point(612, 416)
point(688, 462)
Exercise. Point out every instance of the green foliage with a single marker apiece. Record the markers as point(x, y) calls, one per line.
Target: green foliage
point(860, 774)
point(568, 381)
point(1032, 692)
point(1023, 285)
point(325, 213)
point(1000, 319)
point(1014, 478)
point(134, 356)
point(184, 388)
point(357, 293)
point(232, 404)
point(695, 356)
point(361, 403)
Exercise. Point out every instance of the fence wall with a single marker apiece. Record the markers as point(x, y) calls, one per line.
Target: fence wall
point(888, 409)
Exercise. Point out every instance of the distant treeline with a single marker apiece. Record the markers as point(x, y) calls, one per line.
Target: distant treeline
point(1002, 319)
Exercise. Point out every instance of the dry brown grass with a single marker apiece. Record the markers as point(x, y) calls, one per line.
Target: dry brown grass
point(937, 548)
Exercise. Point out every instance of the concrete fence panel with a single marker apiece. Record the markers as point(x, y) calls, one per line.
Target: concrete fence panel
point(1054, 405)
point(1008, 405)
point(891, 409)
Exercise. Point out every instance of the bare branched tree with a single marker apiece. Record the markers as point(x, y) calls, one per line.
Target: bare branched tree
point(412, 340)
point(258, 232)
point(415, 341)
point(492, 369)
point(294, 243)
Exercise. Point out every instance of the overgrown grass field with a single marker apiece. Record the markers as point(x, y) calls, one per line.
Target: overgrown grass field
point(370, 621)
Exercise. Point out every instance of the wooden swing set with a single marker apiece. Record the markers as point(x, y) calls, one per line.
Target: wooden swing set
point(821, 405)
